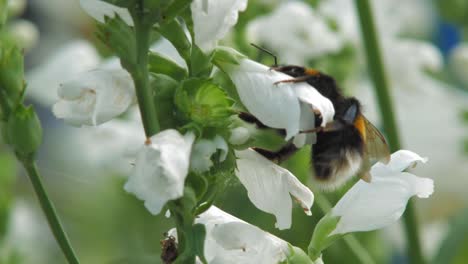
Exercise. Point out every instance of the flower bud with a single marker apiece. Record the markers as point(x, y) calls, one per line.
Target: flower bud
point(11, 70)
point(24, 130)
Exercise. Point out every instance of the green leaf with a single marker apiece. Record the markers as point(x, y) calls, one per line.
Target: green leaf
point(164, 88)
point(204, 102)
point(24, 131)
point(200, 63)
point(198, 183)
point(174, 32)
point(158, 63)
point(120, 38)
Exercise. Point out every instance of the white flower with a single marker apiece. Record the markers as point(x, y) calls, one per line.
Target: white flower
point(98, 9)
point(203, 149)
point(212, 20)
point(25, 33)
point(72, 59)
point(270, 187)
point(95, 97)
point(278, 105)
point(299, 34)
point(161, 168)
point(370, 206)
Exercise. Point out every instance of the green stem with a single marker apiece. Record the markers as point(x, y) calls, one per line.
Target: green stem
point(350, 240)
point(49, 211)
point(377, 71)
point(140, 77)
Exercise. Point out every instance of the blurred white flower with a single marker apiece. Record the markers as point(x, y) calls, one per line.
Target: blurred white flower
point(409, 61)
point(213, 19)
point(111, 146)
point(25, 33)
point(67, 62)
point(270, 187)
point(99, 9)
point(370, 206)
point(278, 105)
point(95, 97)
point(299, 34)
point(458, 61)
point(203, 149)
point(161, 168)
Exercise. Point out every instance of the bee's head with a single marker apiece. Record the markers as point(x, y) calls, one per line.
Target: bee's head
point(325, 84)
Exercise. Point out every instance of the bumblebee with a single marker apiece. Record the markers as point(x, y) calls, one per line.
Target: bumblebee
point(345, 147)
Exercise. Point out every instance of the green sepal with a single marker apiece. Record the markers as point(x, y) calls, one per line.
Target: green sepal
point(174, 32)
point(120, 38)
point(204, 102)
point(164, 88)
point(297, 256)
point(321, 238)
point(225, 55)
point(11, 71)
point(158, 63)
point(170, 11)
point(200, 63)
point(24, 131)
point(198, 183)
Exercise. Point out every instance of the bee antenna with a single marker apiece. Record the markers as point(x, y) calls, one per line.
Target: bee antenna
point(268, 52)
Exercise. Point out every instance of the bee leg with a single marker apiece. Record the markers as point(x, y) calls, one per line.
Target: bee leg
point(278, 156)
point(335, 125)
point(366, 176)
point(294, 80)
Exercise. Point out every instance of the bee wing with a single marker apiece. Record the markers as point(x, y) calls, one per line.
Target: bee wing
point(376, 147)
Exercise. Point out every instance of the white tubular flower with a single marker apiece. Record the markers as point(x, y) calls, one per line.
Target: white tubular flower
point(212, 20)
point(270, 187)
point(98, 9)
point(203, 149)
point(303, 38)
point(277, 105)
point(231, 240)
point(370, 206)
point(161, 168)
point(72, 59)
point(95, 97)
point(239, 135)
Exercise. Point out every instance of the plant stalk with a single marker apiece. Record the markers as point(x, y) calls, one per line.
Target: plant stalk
point(49, 210)
point(381, 85)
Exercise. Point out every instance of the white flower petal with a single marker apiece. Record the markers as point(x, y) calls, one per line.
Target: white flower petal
point(95, 97)
point(98, 9)
point(231, 240)
point(370, 206)
point(270, 186)
point(277, 105)
point(203, 149)
point(212, 20)
point(239, 136)
point(402, 160)
point(72, 59)
point(161, 168)
point(164, 47)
